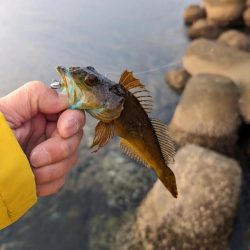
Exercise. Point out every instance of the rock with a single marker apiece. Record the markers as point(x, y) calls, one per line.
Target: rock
point(177, 78)
point(207, 113)
point(193, 13)
point(246, 16)
point(202, 216)
point(245, 103)
point(223, 12)
point(235, 39)
point(202, 28)
point(204, 56)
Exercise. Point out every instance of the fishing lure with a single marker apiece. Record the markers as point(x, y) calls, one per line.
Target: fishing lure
point(123, 110)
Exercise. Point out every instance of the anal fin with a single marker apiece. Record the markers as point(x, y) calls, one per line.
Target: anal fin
point(129, 151)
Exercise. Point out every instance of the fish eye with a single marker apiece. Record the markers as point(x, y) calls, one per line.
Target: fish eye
point(90, 68)
point(91, 80)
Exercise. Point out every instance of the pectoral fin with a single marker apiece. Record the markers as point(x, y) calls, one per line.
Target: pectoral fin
point(103, 133)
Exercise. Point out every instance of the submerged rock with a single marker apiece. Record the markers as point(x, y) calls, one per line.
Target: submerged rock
point(223, 12)
point(204, 56)
point(207, 113)
point(202, 217)
point(235, 39)
point(202, 28)
point(177, 78)
point(193, 13)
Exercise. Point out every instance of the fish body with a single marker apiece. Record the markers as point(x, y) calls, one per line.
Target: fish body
point(123, 110)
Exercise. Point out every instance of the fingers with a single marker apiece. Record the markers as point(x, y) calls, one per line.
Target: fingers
point(31, 98)
point(54, 171)
point(70, 122)
point(50, 188)
point(55, 150)
point(44, 99)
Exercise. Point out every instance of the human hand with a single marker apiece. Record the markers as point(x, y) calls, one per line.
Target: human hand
point(48, 134)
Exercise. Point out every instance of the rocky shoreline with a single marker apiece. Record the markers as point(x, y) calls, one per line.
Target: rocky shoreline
point(211, 126)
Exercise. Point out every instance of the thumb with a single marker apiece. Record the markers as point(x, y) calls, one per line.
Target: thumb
point(35, 97)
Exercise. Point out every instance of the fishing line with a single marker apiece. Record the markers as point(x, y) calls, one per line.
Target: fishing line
point(149, 70)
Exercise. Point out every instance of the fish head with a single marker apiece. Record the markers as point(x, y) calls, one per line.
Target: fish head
point(89, 90)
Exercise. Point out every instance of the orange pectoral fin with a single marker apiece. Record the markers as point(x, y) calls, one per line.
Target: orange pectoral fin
point(103, 134)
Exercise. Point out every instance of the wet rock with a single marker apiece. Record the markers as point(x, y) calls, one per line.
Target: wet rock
point(204, 56)
point(177, 78)
point(202, 216)
point(246, 16)
point(223, 12)
point(193, 13)
point(202, 28)
point(207, 114)
point(235, 39)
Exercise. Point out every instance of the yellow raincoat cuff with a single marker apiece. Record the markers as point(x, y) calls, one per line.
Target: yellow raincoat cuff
point(17, 183)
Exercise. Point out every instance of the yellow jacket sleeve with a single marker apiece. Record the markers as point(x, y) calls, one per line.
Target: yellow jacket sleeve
point(17, 184)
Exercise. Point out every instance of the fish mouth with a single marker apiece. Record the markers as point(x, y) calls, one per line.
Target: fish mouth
point(62, 71)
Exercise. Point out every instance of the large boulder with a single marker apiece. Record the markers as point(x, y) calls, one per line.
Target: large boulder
point(207, 113)
point(205, 56)
point(235, 39)
point(193, 13)
point(202, 217)
point(223, 12)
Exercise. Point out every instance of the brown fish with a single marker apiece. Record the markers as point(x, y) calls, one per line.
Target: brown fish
point(123, 110)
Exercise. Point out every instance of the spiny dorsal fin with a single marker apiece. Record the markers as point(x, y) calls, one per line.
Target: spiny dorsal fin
point(103, 134)
point(128, 81)
point(166, 143)
point(128, 150)
point(144, 97)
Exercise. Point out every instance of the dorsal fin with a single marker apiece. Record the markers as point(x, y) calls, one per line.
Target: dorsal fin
point(103, 134)
point(129, 151)
point(166, 143)
point(128, 81)
point(144, 97)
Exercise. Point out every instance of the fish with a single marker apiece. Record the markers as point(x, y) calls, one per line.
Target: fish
point(122, 109)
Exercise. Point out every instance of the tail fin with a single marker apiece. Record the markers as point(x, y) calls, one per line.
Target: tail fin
point(167, 177)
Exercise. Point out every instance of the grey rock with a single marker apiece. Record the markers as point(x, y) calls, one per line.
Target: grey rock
point(235, 39)
point(193, 13)
point(177, 78)
point(202, 216)
point(204, 56)
point(223, 12)
point(207, 113)
point(202, 28)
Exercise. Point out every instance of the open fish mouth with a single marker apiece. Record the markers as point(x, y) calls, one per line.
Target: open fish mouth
point(68, 86)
